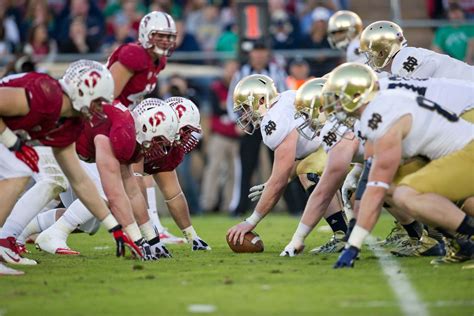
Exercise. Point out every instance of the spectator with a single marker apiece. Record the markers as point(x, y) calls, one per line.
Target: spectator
point(37, 13)
point(83, 17)
point(284, 27)
point(298, 73)
point(10, 38)
point(317, 39)
point(259, 63)
point(39, 45)
point(222, 148)
point(208, 28)
point(228, 40)
point(178, 86)
point(457, 39)
point(185, 41)
point(129, 13)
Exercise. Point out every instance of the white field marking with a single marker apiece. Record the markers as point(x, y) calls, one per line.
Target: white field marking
point(406, 295)
point(376, 304)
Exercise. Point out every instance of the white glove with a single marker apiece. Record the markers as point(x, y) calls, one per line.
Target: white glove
point(199, 244)
point(292, 249)
point(350, 185)
point(256, 191)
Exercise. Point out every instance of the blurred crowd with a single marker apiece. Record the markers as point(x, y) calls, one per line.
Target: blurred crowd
point(38, 30)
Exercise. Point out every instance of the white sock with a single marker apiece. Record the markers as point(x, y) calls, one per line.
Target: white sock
point(133, 232)
point(77, 214)
point(152, 211)
point(190, 233)
point(302, 231)
point(147, 230)
point(27, 207)
point(41, 222)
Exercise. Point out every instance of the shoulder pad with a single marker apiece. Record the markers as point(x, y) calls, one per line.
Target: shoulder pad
point(134, 57)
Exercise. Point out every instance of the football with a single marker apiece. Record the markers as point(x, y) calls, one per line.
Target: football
point(252, 243)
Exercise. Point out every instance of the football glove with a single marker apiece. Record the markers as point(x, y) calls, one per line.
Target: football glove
point(256, 191)
point(347, 258)
point(158, 248)
point(122, 241)
point(26, 154)
point(199, 244)
point(145, 249)
point(292, 249)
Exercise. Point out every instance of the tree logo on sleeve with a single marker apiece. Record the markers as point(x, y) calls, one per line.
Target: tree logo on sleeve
point(330, 139)
point(410, 64)
point(375, 121)
point(270, 127)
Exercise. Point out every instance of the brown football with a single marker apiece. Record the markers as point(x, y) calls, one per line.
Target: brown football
point(252, 243)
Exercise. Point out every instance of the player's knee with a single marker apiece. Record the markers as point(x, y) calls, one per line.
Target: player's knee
point(405, 198)
point(54, 185)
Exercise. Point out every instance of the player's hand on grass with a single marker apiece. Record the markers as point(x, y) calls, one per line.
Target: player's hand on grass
point(256, 191)
point(158, 248)
point(146, 251)
point(199, 244)
point(292, 249)
point(122, 241)
point(347, 257)
point(236, 233)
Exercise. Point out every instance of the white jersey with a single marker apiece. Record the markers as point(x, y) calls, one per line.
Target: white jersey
point(280, 120)
point(434, 131)
point(333, 132)
point(353, 54)
point(457, 95)
point(423, 63)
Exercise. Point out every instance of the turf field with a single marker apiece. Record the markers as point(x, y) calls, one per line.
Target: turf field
point(222, 283)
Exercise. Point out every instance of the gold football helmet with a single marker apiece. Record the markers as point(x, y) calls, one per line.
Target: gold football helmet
point(350, 86)
point(380, 41)
point(308, 105)
point(343, 27)
point(252, 97)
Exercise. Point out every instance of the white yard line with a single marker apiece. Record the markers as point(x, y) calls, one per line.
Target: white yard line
point(407, 297)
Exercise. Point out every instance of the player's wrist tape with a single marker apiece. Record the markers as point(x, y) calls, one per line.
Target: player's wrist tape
point(8, 138)
point(254, 219)
point(110, 222)
point(378, 184)
point(357, 237)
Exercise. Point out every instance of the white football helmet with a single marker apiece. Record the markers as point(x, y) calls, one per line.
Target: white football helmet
point(189, 122)
point(156, 126)
point(157, 22)
point(85, 81)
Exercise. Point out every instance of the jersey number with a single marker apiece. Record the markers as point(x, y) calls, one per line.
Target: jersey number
point(433, 106)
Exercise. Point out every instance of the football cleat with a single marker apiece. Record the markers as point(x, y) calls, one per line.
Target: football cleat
point(9, 252)
point(4, 270)
point(397, 235)
point(334, 245)
point(457, 250)
point(292, 249)
point(414, 247)
point(168, 238)
point(21, 248)
point(199, 244)
point(52, 243)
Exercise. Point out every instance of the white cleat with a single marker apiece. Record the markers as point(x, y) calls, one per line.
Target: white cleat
point(9, 253)
point(4, 270)
point(52, 243)
point(168, 238)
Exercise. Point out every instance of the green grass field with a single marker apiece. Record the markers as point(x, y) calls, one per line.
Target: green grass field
point(97, 283)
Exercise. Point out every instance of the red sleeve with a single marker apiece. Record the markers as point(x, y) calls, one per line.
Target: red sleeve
point(65, 135)
point(134, 57)
point(122, 134)
point(167, 163)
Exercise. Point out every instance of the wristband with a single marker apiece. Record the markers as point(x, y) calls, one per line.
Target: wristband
point(378, 184)
point(8, 138)
point(357, 237)
point(254, 219)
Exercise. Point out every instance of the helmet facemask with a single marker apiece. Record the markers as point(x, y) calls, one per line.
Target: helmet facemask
point(157, 148)
point(248, 119)
point(156, 39)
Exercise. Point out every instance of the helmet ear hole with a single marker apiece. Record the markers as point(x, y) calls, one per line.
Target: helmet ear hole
point(81, 94)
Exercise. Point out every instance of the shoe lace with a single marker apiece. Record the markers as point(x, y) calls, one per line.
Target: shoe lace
point(393, 235)
point(331, 243)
